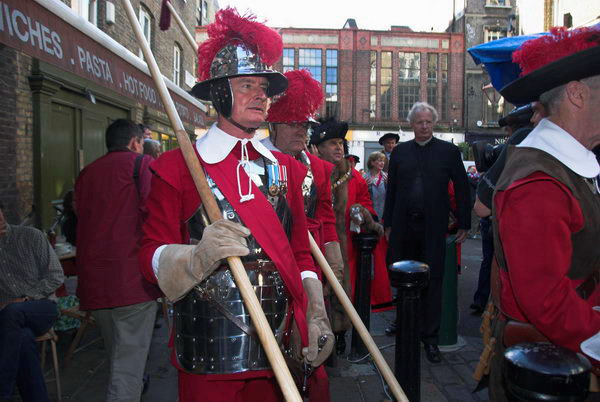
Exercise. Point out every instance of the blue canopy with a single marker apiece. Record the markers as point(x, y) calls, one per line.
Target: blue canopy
point(496, 57)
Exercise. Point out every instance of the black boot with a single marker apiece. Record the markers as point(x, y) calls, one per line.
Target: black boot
point(340, 342)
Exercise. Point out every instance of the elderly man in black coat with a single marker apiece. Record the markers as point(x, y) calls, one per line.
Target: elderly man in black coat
point(417, 208)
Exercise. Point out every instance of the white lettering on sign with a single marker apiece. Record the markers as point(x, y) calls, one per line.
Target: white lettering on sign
point(139, 89)
point(182, 110)
point(94, 64)
point(27, 30)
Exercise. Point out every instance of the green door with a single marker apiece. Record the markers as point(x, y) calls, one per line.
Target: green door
point(93, 126)
point(59, 167)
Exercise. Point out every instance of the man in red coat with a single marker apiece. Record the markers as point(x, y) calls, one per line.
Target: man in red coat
point(109, 197)
point(216, 350)
point(350, 190)
point(290, 118)
point(547, 202)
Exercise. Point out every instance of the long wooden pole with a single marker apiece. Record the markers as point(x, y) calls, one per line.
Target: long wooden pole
point(382, 365)
point(380, 362)
point(280, 369)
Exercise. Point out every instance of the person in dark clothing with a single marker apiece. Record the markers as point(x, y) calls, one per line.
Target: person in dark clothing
point(483, 202)
point(68, 225)
point(417, 210)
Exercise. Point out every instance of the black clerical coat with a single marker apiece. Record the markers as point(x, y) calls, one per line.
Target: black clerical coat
point(440, 162)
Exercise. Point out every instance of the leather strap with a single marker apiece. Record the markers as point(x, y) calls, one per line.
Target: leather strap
point(588, 286)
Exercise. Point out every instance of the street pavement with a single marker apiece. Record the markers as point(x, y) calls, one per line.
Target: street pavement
point(451, 380)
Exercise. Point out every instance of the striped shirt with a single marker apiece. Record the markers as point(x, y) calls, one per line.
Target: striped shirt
point(28, 265)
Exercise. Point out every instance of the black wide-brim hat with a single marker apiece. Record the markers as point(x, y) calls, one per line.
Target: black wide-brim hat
point(328, 130)
point(351, 156)
point(389, 135)
point(574, 67)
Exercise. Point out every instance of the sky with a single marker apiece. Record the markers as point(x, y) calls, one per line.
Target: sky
point(420, 15)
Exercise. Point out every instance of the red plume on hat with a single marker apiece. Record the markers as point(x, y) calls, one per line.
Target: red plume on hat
point(300, 101)
point(230, 27)
point(561, 42)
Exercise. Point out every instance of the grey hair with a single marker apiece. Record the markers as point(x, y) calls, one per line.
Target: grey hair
point(552, 98)
point(421, 107)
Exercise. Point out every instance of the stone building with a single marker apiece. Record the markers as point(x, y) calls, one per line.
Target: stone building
point(482, 21)
point(70, 68)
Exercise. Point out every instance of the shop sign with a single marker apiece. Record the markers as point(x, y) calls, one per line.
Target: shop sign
point(34, 30)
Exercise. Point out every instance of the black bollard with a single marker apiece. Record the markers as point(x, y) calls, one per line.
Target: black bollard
point(364, 243)
point(409, 277)
point(545, 372)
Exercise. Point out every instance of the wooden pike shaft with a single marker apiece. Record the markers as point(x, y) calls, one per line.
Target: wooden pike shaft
point(280, 369)
point(382, 365)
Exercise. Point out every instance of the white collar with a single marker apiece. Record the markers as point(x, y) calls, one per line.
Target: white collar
point(423, 143)
point(552, 139)
point(216, 144)
point(269, 144)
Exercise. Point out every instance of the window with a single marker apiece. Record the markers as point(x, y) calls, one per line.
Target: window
point(444, 72)
point(373, 87)
point(88, 9)
point(288, 59)
point(331, 83)
point(409, 82)
point(493, 34)
point(385, 90)
point(177, 64)
point(146, 24)
point(501, 3)
point(201, 12)
point(493, 109)
point(310, 59)
point(432, 79)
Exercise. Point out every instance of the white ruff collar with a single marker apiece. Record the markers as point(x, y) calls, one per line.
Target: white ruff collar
point(216, 144)
point(552, 139)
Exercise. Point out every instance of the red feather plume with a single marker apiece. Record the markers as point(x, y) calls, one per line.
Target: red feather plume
point(561, 42)
point(230, 26)
point(303, 97)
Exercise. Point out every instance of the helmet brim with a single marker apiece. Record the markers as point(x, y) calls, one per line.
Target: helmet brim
point(277, 84)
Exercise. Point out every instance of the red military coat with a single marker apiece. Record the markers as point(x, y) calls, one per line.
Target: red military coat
point(174, 199)
point(358, 193)
point(537, 216)
point(322, 226)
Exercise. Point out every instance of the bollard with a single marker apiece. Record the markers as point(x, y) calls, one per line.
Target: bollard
point(449, 322)
point(409, 277)
point(545, 372)
point(364, 243)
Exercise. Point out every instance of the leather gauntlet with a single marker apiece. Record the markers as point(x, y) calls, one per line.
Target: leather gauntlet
point(181, 266)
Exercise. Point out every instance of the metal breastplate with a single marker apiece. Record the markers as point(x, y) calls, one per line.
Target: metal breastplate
point(208, 341)
point(213, 330)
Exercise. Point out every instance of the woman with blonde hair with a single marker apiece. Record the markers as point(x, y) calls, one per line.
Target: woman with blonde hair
point(376, 179)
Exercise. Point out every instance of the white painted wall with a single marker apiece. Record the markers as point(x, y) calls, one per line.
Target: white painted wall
point(531, 13)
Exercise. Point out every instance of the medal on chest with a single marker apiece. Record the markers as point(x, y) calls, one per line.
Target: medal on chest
point(277, 180)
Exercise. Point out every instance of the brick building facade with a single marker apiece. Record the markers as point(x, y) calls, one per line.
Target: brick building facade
point(371, 78)
point(66, 78)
